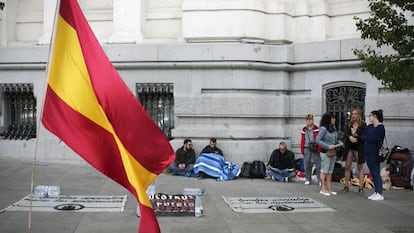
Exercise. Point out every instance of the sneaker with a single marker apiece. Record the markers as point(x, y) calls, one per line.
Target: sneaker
point(333, 193)
point(325, 193)
point(377, 197)
point(372, 195)
point(307, 182)
point(320, 184)
point(286, 179)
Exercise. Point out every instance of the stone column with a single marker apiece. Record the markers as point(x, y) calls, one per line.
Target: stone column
point(3, 32)
point(127, 17)
point(8, 22)
point(49, 11)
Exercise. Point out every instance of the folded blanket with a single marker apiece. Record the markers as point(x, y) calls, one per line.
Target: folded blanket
point(214, 165)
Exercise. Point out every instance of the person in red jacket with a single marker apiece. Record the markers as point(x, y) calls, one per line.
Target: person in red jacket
point(310, 149)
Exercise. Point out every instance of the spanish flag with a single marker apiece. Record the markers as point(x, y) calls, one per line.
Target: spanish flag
point(90, 108)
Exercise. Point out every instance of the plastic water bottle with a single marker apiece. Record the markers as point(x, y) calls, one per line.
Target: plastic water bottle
point(53, 191)
point(151, 190)
point(198, 207)
point(138, 213)
point(193, 191)
point(41, 191)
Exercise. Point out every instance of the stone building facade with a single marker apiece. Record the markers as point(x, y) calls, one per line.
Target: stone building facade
point(243, 71)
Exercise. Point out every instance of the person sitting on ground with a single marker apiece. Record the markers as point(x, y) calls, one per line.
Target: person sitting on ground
point(184, 160)
point(281, 164)
point(211, 164)
point(212, 148)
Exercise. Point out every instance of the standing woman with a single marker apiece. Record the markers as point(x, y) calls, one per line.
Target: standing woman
point(373, 138)
point(327, 138)
point(354, 148)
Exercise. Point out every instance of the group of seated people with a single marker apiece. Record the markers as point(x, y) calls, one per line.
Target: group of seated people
point(211, 163)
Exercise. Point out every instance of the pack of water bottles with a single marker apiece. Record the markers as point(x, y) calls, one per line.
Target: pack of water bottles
point(46, 191)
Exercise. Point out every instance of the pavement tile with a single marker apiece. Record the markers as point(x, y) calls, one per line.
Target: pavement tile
point(353, 213)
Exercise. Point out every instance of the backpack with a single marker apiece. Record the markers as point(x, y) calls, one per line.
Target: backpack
point(338, 172)
point(401, 164)
point(258, 169)
point(245, 170)
point(300, 165)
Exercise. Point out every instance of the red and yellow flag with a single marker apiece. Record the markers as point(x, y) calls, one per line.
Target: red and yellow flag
point(90, 108)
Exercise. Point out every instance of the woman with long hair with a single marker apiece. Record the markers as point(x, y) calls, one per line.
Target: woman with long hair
point(354, 149)
point(327, 139)
point(373, 138)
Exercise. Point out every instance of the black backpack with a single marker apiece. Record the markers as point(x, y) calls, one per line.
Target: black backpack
point(338, 172)
point(258, 169)
point(245, 170)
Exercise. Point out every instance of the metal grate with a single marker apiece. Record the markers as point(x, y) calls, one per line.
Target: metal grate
point(340, 100)
point(158, 101)
point(19, 118)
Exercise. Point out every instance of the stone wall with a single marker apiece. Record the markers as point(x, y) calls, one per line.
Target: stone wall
point(249, 96)
point(30, 22)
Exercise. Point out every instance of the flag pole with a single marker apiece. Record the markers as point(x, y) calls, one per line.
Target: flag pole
point(42, 100)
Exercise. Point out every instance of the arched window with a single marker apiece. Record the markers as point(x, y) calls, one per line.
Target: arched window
point(341, 97)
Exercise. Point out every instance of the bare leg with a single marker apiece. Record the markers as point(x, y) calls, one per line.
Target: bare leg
point(348, 165)
point(328, 182)
point(361, 178)
point(323, 182)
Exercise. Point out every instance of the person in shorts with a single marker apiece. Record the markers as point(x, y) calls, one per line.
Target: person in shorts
point(354, 149)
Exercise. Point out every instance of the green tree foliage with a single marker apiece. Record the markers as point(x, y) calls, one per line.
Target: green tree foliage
point(388, 26)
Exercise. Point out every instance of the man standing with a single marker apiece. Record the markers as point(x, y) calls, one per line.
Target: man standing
point(184, 160)
point(281, 164)
point(310, 149)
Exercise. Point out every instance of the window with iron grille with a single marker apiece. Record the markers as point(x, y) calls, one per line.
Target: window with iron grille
point(17, 111)
point(158, 101)
point(340, 100)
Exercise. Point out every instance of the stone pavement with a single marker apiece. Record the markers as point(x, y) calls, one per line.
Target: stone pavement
point(353, 213)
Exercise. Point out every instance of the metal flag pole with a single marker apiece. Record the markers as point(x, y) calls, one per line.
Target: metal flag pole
point(42, 96)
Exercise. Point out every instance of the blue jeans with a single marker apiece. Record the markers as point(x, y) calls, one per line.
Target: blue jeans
point(374, 167)
point(309, 157)
point(178, 172)
point(280, 174)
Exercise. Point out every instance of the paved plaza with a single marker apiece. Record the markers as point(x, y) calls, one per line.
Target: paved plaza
point(353, 213)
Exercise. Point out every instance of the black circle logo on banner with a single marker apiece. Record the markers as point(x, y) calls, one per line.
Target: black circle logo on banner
point(69, 207)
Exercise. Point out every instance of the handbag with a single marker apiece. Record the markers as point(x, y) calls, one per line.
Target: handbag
point(312, 146)
point(384, 151)
point(331, 153)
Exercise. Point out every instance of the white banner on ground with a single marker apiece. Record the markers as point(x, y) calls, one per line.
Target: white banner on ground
point(71, 203)
point(275, 204)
